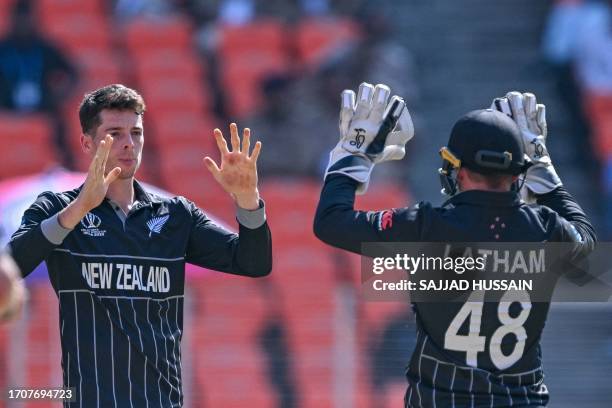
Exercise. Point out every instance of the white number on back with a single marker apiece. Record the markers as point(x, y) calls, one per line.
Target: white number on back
point(473, 343)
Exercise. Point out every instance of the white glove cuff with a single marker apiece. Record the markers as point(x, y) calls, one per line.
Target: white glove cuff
point(542, 179)
point(357, 167)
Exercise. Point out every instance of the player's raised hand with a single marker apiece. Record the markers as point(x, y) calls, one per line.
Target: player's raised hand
point(530, 117)
point(94, 189)
point(374, 128)
point(98, 178)
point(237, 173)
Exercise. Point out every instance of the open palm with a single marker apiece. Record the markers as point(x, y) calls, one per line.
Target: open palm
point(237, 173)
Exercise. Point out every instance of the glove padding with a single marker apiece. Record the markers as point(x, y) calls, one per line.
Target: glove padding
point(372, 130)
point(541, 177)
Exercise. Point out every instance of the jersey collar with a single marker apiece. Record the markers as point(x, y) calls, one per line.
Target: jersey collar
point(487, 198)
point(141, 195)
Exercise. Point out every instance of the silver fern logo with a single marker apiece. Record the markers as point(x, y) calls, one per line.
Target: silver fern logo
point(156, 224)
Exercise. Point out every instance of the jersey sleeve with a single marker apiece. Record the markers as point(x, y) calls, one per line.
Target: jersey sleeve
point(337, 223)
point(576, 225)
point(248, 253)
point(29, 245)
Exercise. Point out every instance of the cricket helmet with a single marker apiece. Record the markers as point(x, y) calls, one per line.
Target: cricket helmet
point(484, 141)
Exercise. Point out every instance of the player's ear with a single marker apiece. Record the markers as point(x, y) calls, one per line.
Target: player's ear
point(87, 143)
point(462, 174)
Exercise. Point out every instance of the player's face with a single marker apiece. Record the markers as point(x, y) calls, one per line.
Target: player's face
point(126, 129)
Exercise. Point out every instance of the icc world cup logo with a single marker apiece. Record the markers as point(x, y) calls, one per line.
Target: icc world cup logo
point(359, 138)
point(91, 221)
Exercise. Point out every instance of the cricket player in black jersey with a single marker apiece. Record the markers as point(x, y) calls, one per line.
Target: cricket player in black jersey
point(497, 363)
point(116, 256)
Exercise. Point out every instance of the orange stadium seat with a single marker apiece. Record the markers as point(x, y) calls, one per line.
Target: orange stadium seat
point(242, 79)
point(175, 94)
point(182, 128)
point(265, 34)
point(5, 15)
point(230, 337)
point(154, 64)
point(162, 32)
point(248, 54)
point(27, 145)
point(602, 138)
point(253, 66)
point(76, 31)
point(66, 7)
point(97, 66)
point(317, 38)
point(598, 106)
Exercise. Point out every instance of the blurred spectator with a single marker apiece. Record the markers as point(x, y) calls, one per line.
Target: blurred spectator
point(390, 352)
point(381, 58)
point(34, 74)
point(273, 340)
point(577, 36)
point(577, 44)
point(594, 47)
point(299, 124)
point(315, 7)
point(236, 12)
point(128, 9)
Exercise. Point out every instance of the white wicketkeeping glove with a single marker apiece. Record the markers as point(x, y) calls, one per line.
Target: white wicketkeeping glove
point(541, 178)
point(372, 130)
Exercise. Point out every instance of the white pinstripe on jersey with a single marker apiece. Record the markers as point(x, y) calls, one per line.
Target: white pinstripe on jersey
point(112, 359)
point(171, 334)
point(156, 354)
point(76, 315)
point(93, 327)
point(147, 258)
point(473, 371)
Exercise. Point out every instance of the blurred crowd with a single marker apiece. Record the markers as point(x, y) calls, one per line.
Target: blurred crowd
point(275, 66)
point(577, 44)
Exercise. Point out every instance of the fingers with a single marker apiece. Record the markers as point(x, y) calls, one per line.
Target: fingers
point(234, 138)
point(405, 127)
point(364, 100)
point(112, 175)
point(379, 102)
point(99, 161)
point(541, 119)
point(529, 101)
point(221, 143)
point(212, 166)
point(347, 109)
point(256, 151)
point(518, 108)
point(502, 105)
point(246, 140)
point(107, 146)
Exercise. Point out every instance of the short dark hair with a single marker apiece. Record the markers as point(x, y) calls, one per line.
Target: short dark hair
point(115, 96)
point(494, 180)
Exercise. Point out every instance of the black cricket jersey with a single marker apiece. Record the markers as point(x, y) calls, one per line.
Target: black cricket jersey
point(120, 283)
point(485, 367)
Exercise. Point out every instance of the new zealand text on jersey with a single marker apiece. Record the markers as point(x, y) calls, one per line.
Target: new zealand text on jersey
point(108, 275)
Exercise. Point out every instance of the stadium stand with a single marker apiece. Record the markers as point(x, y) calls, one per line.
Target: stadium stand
point(28, 135)
point(329, 334)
